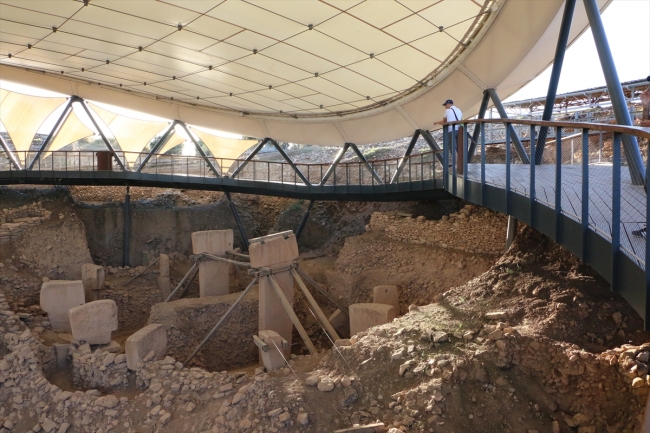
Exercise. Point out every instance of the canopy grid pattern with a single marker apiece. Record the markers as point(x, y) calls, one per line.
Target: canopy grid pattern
point(323, 58)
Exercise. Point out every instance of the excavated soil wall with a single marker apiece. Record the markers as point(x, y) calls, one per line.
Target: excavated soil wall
point(154, 230)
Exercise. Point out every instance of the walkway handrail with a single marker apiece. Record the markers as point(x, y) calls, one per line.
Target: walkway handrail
point(639, 131)
point(580, 193)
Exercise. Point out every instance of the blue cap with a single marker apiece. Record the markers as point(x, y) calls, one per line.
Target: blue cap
point(448, 101)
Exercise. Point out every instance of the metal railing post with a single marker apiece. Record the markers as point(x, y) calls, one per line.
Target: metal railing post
point(483, 191)
point(558, 183)
point(507, 169)
point(445, 157)
point(585, 194)
point(616, 209)
point(531, 192)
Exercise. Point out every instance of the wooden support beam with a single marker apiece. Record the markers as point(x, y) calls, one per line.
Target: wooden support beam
point(317, 311)
point(292, 315)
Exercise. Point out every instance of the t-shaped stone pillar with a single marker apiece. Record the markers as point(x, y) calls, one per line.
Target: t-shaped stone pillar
point(92, 276)
point(213, 275)
point(275, 251)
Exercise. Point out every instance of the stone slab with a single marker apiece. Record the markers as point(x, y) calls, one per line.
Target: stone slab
point(270, 252)
point(388, 295)
point(213, 276)
point(150, 338)
point(272, 359)
point(58, 297)
point(365, 316)
point(92, 276)
point(341, 323)
point(94, 322)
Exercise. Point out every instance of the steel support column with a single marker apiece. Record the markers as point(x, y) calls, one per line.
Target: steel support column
point(519, 148)
point(511, 231)
point(363, 159)
point(216, 171)
point(158, 145)
point(53, 132)
point(630, 144)
point(560, 49)
point(126, 238)
point(290, 162)
point(336, 161)
point(235, 215)
point(407, 153)
point(101, 134)
point(481, 115)
point(15, 161)
point(259, 147)
point(305, 217)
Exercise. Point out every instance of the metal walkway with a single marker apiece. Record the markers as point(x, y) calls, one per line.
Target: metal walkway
point(581, 195)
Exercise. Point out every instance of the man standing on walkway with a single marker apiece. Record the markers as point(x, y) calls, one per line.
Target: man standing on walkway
point(453, 114)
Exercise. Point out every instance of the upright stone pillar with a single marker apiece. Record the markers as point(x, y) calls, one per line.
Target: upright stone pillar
point(213, 275)
point(275, 251)
point(163, 281)
point(92, 276)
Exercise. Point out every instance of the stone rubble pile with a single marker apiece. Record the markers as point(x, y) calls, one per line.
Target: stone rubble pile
point(586, 380)
point(163, 391)
point(456, 231)
point(13, 222)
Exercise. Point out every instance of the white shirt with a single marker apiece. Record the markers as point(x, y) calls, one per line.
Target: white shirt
point(453, 114)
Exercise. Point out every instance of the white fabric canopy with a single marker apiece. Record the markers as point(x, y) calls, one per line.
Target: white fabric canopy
point(131, 134)
point(23, 115)
point(327, 72)
point(220, 147)
point(172, 142)
point(72, 130)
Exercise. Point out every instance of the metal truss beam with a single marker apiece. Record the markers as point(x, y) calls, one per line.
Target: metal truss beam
point(519, 148)
point(290, 162)
point(101, 133)
point(235, 214)
point(562, 41)
point(156, 147)
point(363, 159)
point(433, 144)
point(336, 161)
point(214, 169)
point(481, 115)
point(259, 147)
point(407, 153)
point(53, 132)
point(15, 161)
point(305, 217)
point(630, 143)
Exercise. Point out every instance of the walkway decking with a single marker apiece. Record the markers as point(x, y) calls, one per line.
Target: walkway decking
point(633, 197)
